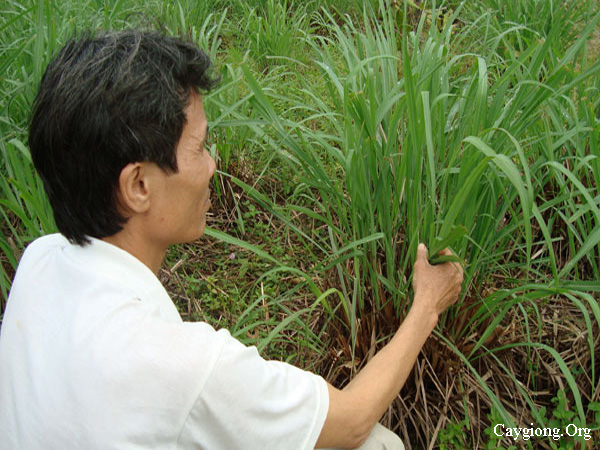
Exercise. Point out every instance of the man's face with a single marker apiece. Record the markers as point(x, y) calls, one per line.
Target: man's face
point(182, 199)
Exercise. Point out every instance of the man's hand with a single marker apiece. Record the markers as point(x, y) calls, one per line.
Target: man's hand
point(354, 410)
point(436, 287)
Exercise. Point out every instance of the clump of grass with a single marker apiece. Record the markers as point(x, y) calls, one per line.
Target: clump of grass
point(415, 141)
point(274, 30)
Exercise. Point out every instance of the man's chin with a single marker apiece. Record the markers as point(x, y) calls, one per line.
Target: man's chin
point(192, 235)
point(198, 235)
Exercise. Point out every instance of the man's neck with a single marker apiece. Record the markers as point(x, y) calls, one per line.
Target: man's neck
point(149, 253)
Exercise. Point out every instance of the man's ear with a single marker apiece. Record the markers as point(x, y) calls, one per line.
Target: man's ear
point(133, 192)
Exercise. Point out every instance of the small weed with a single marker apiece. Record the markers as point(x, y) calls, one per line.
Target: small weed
point(565, 419)
point(493, 440)
point(453, 436)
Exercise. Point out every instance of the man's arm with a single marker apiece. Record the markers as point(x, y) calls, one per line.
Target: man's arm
point(355, 410)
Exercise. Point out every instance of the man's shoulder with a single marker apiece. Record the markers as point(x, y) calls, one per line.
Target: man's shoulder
point(44, 243)
point(36, 251)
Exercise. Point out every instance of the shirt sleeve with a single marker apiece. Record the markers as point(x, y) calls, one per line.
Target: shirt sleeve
point(250, 403)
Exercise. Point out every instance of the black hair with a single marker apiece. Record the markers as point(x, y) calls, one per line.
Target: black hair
point(105, 101)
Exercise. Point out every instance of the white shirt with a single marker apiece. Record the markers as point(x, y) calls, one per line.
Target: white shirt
point(94, 355)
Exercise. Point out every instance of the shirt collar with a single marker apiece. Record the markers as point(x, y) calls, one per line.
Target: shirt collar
point(120, 266)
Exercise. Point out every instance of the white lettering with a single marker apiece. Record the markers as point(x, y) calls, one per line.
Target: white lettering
point(587, 433)
point(569, 432)
point(513, 432)
point(496, 430)
point(574, 430)
point(556, 434)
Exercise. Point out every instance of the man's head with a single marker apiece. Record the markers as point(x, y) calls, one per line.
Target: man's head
point(105, 102)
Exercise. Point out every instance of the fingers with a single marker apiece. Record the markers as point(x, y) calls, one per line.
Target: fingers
point(423, 262)
point(437, 285)
point(421, 253)
point(448, 252)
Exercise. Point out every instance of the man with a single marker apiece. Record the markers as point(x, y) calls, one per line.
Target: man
point(93, 353)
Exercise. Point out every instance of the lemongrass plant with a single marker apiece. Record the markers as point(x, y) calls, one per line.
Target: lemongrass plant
point(494, 154)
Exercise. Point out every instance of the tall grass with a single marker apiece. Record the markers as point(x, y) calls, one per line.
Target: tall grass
point(493, 153)
point(274, 30)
